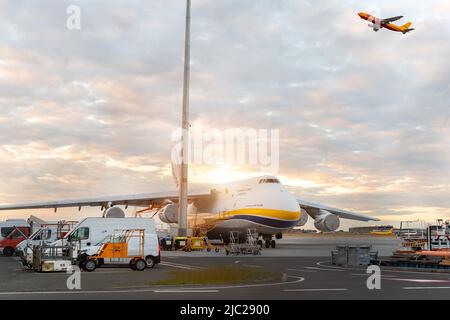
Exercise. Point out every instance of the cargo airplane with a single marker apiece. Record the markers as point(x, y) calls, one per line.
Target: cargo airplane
point(378, 24)
point(260, 203)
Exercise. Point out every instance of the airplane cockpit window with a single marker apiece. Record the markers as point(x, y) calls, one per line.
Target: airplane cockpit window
point(269, 181)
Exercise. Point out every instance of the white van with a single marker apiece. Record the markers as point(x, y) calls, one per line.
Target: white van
point(7, 226)
point(91, 232)
point(45, 235)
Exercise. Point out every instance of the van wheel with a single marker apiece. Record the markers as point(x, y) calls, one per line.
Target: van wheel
point(140, 265)
point(150, 261)
point(8, 251)
point(90, 265)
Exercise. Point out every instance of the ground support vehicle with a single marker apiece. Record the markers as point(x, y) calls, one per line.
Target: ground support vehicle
point(9, 243)
point(115, 248)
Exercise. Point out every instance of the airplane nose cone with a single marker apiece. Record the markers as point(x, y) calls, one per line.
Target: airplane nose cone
point(360, 14)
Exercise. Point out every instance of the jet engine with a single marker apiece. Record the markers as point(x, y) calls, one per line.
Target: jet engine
point(114, 212)
point(326, 221)
point(374, 27)
point(169, 213)
point(303, 217)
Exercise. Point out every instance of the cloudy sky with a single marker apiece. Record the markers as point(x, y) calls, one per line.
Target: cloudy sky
point(364, 117)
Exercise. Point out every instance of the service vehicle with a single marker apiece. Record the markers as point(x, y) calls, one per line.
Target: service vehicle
point(7, 226)
point(121, 246)
point(9, 243)
point(89, 233)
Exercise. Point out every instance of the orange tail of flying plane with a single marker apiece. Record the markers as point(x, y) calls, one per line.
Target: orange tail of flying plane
point(405, 28)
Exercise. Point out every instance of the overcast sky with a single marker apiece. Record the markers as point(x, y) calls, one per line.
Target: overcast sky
point(364, 117)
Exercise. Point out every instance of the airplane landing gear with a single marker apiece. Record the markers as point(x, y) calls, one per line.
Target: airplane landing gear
point(269, 242)
point(272, 243)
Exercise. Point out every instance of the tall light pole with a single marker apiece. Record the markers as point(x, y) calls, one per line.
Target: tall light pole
point(182, 217)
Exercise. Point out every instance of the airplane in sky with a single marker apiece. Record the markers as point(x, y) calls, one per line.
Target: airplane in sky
point(378, 24)
point(260, 203)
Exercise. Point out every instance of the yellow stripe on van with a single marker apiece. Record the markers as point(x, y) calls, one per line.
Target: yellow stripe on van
point(262, 212)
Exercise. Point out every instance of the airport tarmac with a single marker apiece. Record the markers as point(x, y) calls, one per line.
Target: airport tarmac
point(307, 277)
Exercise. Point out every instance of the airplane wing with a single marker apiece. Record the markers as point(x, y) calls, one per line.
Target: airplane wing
point(314, 208)
point(141, 200)
point(389, 20)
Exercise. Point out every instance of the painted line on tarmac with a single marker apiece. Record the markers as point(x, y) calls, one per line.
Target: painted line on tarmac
point(391, 277)
point(320, 263)
point(420, 280)
point(178, 265)
point(299, 279)
point(424, 288)
point(319, 289)
point(323, 269)
point(186, 291)
point(300, 270)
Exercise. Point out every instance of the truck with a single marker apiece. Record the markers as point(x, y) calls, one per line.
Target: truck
point(90, 234)
point(9, 243)
point(7, 226)
point(45, 235)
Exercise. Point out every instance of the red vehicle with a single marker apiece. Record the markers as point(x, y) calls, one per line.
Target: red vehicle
point(10, 242)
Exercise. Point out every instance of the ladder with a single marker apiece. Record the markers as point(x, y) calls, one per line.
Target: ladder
point(233, 246)
point(252, 246)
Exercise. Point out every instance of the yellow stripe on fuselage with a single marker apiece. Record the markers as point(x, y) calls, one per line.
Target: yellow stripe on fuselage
point(262, 212)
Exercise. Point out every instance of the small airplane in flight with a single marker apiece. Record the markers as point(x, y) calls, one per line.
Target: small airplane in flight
point(377, 23)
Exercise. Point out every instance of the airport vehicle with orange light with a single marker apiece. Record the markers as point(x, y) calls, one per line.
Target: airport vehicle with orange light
point(117, 249)
point(376, 24)
point(90, 233)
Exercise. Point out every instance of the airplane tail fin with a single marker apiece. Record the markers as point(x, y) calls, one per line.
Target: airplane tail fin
point(406, 27)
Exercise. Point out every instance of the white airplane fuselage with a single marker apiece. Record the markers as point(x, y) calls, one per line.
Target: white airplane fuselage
point(259, 203)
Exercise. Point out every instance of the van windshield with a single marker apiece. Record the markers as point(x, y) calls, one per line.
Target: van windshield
point(5, 231)
point(78, 234)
